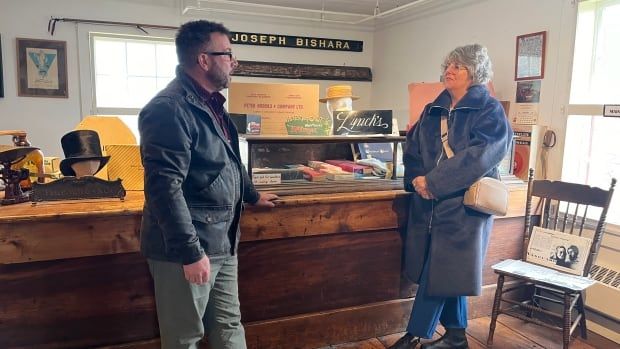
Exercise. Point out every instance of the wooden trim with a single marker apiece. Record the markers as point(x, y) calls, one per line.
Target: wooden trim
point(302, 71)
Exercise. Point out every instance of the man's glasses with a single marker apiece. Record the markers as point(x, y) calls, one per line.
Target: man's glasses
point(221, 53)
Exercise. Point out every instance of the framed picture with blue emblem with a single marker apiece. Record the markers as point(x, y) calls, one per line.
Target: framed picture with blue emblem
point(42, 68)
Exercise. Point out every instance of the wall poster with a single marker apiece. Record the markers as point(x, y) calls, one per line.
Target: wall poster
point(42, 68)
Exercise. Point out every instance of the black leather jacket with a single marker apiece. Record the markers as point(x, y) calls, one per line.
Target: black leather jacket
point(194, 181)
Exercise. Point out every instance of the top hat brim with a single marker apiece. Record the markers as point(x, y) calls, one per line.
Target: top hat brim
point(324, 100)
point(65, 165)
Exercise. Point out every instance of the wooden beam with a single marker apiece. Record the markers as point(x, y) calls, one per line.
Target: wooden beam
point(302, 71)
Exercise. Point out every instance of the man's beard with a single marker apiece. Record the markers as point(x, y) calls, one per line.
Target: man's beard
point(218, 78)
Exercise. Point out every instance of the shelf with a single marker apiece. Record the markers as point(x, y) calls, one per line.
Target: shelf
point(324, 139)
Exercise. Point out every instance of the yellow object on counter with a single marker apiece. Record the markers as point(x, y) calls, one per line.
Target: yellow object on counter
point(125, 163)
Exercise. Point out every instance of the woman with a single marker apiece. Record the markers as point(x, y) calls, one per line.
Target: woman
point(447, 242)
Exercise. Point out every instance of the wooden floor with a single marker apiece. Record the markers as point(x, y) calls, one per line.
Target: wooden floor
point(510, 333)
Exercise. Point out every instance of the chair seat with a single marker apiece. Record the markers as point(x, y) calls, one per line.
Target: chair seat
point(537, 273)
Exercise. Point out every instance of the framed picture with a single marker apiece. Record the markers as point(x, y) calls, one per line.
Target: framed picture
point(41, 68)
point(530, 56)
point(1, 70)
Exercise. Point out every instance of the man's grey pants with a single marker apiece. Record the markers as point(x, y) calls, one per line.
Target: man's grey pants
point(186, 311)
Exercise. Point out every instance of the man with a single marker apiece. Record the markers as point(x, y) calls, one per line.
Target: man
point(560, 256)
point(195, 185)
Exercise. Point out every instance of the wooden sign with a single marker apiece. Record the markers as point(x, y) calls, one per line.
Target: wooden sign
point(362, 122)
point(72, 188)
point(260, 39)
point(302, 71)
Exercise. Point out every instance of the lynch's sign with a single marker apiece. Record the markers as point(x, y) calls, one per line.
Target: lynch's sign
point(296, 41)
point(362, 122)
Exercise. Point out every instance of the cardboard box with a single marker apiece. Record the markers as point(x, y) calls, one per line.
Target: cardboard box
point(275, 103)
point(51, 164)
point(125, 163)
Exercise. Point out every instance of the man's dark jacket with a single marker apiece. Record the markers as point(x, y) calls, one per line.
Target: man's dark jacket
point(194, 181)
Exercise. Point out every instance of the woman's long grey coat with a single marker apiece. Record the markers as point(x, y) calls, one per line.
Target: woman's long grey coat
point(453, 239)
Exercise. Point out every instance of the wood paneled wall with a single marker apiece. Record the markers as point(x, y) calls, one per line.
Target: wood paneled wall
point(314, 271)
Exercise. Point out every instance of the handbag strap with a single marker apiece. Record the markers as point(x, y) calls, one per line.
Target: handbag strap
point(444, 137)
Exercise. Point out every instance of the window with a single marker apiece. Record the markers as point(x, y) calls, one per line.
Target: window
point(128, 72)
point(592, 150)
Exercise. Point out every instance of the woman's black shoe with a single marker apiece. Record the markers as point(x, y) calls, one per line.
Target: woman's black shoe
point(454, 338)
point(406, 342)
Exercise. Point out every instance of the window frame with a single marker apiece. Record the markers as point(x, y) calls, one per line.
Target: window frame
point(92, 35)
point(591, 111)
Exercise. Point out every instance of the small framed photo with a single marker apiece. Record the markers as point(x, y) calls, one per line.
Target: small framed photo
point(530, 56)
point(42, 68)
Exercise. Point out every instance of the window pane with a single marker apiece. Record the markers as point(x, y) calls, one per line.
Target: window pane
point(129, 71)
point(109, 57)
point(141, 59)
point(582, 61)
point(141, 90)
point(592, 147)
point(166, 60)
point(592, 155)
point(163, 82)
point(111, 91)
point(606, 67)
point(595, 67)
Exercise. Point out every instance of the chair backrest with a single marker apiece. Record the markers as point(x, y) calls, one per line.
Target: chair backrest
point(573, 200)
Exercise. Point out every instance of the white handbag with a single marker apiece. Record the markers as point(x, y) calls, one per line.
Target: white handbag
point(487, 195)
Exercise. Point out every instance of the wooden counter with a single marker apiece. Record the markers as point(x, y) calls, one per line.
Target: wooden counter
point(315, 270)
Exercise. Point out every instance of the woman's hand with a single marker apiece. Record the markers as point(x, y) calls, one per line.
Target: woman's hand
point(419, 184)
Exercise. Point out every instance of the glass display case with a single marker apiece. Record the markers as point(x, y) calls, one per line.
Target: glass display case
point(279, 158)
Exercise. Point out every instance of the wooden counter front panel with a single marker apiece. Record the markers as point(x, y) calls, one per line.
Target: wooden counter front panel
point(301, 275)
point(76, 303)
point(321, 218)
point(74, 237)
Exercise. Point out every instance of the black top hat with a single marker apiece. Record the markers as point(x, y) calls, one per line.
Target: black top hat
point(81, 145)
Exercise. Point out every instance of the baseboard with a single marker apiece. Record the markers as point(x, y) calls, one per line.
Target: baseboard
point(603, 325)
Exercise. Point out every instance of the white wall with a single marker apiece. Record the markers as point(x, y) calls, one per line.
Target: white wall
point(412, 51)
point(408, 50)
point(47, 119)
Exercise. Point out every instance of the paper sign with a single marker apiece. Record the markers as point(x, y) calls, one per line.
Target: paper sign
point(266, 178)
point(611, 110)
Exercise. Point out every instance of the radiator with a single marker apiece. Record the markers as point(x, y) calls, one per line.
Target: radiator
point(604, 296)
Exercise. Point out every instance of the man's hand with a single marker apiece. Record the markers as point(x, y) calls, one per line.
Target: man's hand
point(198, 272)
point(419, 184)
point(266, 200)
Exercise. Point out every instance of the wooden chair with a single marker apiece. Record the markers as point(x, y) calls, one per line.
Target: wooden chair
point(540, 292)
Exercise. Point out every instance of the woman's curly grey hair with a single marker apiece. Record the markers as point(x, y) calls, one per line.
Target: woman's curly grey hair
point(475, 58)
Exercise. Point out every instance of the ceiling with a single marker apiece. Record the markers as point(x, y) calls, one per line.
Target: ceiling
point(365, 7)
point(348, 12)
